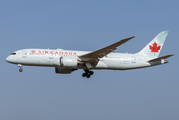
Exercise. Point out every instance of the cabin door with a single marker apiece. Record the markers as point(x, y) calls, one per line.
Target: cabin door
point(24, 54)
point(133, 59)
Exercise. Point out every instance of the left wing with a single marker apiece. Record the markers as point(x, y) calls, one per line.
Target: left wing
point(93, 57)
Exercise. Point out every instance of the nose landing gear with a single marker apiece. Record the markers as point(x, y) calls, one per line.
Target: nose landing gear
point(20, 70)
point(19, 65)
point(87, 73)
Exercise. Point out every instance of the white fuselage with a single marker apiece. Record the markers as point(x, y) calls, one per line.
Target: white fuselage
point(67, 61)
point(51, 58)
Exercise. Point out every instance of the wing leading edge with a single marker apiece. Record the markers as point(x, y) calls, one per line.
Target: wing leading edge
point(92, 58)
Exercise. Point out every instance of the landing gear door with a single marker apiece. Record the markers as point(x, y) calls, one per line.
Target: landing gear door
point(24, 54)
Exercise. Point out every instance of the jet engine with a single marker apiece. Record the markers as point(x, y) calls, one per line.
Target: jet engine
point(68, 61)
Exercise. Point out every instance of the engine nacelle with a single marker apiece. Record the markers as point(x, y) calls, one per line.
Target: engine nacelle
point(63, 70)
point(68, 61)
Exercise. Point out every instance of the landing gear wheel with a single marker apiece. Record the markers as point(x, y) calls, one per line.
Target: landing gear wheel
point(88, 76)
point(87, 73)
point(91, 72)
point(20, 70)
point(84, 74)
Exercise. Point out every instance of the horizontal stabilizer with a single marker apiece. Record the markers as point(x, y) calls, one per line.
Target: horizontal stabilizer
point(157, 59)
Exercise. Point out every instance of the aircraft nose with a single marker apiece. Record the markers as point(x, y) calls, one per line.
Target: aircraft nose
point(7, 59)
point(11, 59)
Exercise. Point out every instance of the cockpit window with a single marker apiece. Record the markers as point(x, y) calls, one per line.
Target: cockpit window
point(13, 53)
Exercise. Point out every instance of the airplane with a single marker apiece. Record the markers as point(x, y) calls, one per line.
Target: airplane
point(67, 61)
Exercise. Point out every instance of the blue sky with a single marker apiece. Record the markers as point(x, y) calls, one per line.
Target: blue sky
point(39, 93)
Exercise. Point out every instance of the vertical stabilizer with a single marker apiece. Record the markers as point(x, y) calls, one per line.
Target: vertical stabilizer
point(155, 46)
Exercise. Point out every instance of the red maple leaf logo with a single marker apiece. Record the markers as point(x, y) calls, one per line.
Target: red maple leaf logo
point(32, 51)
point(154, 48)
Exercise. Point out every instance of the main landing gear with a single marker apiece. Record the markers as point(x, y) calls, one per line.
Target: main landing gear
point(19, 65)
point(87, 73)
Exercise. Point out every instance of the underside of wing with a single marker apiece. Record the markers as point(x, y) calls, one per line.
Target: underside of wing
point(93, 57)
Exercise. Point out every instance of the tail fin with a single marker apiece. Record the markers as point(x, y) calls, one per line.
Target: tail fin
point(154, 47)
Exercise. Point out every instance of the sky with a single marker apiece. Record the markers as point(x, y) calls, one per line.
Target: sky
point(39, 93)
